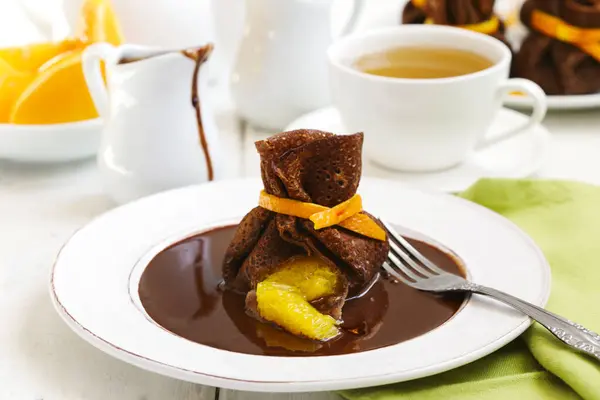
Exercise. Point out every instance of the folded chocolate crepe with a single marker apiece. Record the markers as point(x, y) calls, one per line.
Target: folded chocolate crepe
point(558, 67)
point(315, 167)
point(452, 12)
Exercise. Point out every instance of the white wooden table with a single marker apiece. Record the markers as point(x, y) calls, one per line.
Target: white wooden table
point(41, 206)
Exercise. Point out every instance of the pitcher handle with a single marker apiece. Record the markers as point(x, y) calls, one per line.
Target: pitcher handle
point(359, 5)
point(92, 72)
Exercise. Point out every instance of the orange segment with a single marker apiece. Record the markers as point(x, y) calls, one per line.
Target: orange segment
point(12, 83)
point(57, 94)
point(287, 307)
point(337, 214)
point(364, 225)
point(99, 23)
point(33, 56)
point(358, 223)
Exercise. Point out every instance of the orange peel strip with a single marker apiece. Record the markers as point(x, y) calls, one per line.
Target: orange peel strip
point(488, 27)
point(358, 222)
point(586, 39)
point(291, 207)
point(419, 3)
point(335, 215)
point(364, 225)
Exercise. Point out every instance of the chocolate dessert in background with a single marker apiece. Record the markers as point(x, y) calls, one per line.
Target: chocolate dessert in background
point(478, 14)
point(313, 167)
point(560, 66)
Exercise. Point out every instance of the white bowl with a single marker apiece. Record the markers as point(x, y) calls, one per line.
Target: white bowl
point(50, 143)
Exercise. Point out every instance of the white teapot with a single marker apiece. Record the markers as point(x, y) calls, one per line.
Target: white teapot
point(159, 131)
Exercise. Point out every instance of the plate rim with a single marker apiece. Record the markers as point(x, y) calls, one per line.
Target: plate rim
point(557, 102)
point(45, 128)
point(177, 372)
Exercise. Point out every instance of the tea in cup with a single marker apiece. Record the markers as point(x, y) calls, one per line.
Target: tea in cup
point(425, 95)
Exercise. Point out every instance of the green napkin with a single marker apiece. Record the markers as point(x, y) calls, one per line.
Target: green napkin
point(564, 220)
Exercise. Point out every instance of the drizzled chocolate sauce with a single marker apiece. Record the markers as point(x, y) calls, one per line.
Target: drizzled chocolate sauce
point(200, 56)
point(180, 291)
point(129, 60)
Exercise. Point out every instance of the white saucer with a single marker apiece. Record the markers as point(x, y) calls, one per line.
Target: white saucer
point(517, 157)
point(94, 287)
point(578, 102)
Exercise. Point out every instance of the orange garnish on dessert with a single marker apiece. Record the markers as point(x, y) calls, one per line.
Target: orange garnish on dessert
point(284, 297)
point(99, 23)
point(291, 207)
point(12, 83)
point(364, 225)
point(337, 214)
point(57, 94)
point(346, 214)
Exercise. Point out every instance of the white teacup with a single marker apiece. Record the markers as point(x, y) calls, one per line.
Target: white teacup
point(425, 125)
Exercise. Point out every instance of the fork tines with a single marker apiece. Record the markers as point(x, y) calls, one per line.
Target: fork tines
point(406, 263)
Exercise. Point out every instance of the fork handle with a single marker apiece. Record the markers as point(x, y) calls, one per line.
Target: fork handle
point(569, 332)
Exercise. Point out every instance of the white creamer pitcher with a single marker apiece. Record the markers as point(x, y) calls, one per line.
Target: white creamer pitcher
point(155, 138)
point(281, 68)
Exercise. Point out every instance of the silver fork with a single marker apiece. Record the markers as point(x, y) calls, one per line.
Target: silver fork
point(406, 264)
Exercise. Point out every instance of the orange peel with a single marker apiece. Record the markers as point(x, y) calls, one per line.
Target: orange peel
point(335, 215)
point(291, 207)
point(364, 225)
point(346, 214)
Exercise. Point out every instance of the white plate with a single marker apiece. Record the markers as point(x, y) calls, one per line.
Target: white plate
point(578, 102)
point(50, 143)
point(93, 275)
point(517, 157)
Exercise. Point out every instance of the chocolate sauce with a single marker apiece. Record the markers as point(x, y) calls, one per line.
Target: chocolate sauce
point(129, 60)
point(180, 291)
point(200, 56)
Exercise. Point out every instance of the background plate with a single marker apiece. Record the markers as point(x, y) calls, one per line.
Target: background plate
point(50, 143)
point(579, 102)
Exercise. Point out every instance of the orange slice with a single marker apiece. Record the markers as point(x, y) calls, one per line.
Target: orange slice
point(337, 214)
point(12, 83)
point(57, 94)
point(33, 56)
point(99, 23)
point(359, 223)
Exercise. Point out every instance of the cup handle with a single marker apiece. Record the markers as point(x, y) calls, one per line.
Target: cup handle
point(92, 72)
point(540, 107)
point(356, 12)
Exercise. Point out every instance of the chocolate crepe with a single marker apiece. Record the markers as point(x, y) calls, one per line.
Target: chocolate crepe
point(309, 166)
point(453, 12)
point(559, 67)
